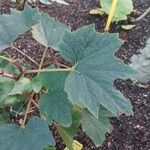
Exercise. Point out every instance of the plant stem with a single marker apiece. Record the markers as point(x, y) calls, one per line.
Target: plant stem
point(143, 15)
point(26, 114)
point(111, 14)
point(42, 60)
point(25, 55)
point(49, 70)
point(27, 110)
point(34, 103)
point(6, 58)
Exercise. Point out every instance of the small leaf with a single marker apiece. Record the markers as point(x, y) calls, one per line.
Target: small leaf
point(20, 86)
point(49, 31)
point(26, 85)
point(76, 122)
point(66, 138)
point(68, 133)
point(123, 8)
point(6, 86)
point(127, 27)
point(7, 66)
point(14, 24)
point(90, 83)
point(34, 136)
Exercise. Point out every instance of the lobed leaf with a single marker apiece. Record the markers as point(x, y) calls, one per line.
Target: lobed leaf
point(48, 31)
point(55, 104)
point(34, 136)
point(96, 128)
point(14, 24)
point(90, 82)
point(6, 86)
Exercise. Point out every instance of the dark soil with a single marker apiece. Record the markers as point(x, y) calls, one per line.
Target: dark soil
point(129, 133)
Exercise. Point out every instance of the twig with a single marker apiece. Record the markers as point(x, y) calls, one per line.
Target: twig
point(6, 58)
point(21, 113)
point(27, 110)
point(26, 114)
point(56, 61)
point(42, 60)
point(8, 75)
point(34, 103)
point(25, 55)
point(62, 65)
point(143, 15)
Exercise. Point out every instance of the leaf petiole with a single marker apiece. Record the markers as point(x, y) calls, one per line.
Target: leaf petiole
point(49, 70)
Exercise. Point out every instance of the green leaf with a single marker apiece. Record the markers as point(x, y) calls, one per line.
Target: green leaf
point(68, 133)
point(4, 117)
point(54, 104)
point(7, 66)
point(6, 86)
point(26, 85)
point(66, 138)
point(35, 84)
point(20, 86)
point(90, 83)
point(76, 122)
point(141, 63)
point(49, 32)
point(34, 136)
point(123, 8)
point(16, 23)
point(96, 128)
